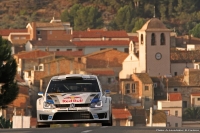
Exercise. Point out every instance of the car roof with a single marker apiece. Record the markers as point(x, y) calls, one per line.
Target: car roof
point(74, 75)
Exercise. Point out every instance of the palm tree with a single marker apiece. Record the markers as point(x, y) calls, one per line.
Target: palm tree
point(192, 113)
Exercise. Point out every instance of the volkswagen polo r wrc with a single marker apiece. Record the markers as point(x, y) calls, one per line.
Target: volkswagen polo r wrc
point(73, 98)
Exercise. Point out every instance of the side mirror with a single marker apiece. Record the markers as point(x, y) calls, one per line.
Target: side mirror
point(40, 94)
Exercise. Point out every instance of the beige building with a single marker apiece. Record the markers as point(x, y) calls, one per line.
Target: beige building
point(122, 117)
point(173, 108)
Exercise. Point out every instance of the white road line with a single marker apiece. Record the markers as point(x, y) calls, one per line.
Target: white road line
point(104, 127)
point(86, 131)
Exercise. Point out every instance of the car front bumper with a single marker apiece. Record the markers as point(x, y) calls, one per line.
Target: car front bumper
point(77, 115)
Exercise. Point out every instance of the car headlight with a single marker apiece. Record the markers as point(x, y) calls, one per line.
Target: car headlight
point(48, 105)
point(96, 104)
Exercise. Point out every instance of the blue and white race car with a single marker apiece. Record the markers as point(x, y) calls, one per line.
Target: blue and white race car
point(73, 98)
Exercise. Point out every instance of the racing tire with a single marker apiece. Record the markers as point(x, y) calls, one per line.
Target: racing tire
point(40, 125)
point(109, 123)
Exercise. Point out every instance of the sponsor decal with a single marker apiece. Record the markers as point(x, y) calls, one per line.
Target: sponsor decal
point(74, 99)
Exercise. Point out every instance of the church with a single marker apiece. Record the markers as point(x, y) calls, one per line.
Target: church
point(154, 51)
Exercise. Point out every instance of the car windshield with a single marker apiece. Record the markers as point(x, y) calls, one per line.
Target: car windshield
point(71, 85)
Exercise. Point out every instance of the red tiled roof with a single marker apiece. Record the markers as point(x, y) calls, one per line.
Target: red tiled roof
point(175, 97)
point(100, 34)
point(6, 32)
point(101, 72)
point(195, 94)
point(69, 53)
point(18, 78)
point(121, 114)
point(102, 43)
point(51, 43)
point(134, 38)
point(33, 54)
point(23, 90)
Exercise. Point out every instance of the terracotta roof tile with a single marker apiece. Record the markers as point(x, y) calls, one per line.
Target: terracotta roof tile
point(32, 54)
point(175, 97)
point(144, 77)
point(24, 90)
point(195, 94)
point(134, 38)
point(185, 56)
point(175, 81)
point(6, 32)
point(101, 43)
point(51, 43)
point(69, 53)
point(100, 34)
point(121, 114)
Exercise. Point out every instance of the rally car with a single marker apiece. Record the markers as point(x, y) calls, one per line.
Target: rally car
point(73, 98)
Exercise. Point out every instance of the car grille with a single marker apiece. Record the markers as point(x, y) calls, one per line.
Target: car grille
point(68, 105)
point(72, 115)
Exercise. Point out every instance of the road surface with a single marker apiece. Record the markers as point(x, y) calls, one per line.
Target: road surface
point(103, 130)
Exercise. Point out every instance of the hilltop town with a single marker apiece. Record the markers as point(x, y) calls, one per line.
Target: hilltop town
point(150, 70)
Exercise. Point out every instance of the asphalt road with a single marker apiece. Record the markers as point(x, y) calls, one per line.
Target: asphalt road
point(102, 130)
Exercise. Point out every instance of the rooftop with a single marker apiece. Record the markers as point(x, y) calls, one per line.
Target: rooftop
point(51, 43)
point(175, 97)
point(32, 54)
point(102, 43)
point(100, 34)
point(6, 32)
point(121, 114)
point(144, 77)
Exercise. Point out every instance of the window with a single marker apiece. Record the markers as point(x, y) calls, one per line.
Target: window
point(146, 98)
point(162, 39)
point(40, 67)
point(184, 104)
point(109, 80)
point(80, 49)
point(153, 39)
point(198, 99)
point(126, 50)
point(23, 37)
point(196, 66)
point(115, 48)
point(102, 48)
point(50, 32)
point(57, 49)
point(127, 88)
point(38, 32)
point(176, 113)
point(175, 89)
point(79, 60)
point(117, 122)
point(176, 124)
point(69, 49)
point(146, 88)
point(133, 88)
point(16, 37)
point(141, 38)
point(175, 73)
point(155, 85)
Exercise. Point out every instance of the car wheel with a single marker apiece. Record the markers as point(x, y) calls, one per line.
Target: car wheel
point(109, 123)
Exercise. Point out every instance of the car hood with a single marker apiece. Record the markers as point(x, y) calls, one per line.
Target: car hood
point(68, 98)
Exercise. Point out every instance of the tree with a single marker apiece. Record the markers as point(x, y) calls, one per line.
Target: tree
point(8, 69)
point(82, 18)
point(192, 113)
point(196, 31)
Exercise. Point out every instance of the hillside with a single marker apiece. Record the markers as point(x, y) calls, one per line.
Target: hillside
point(129, 15)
